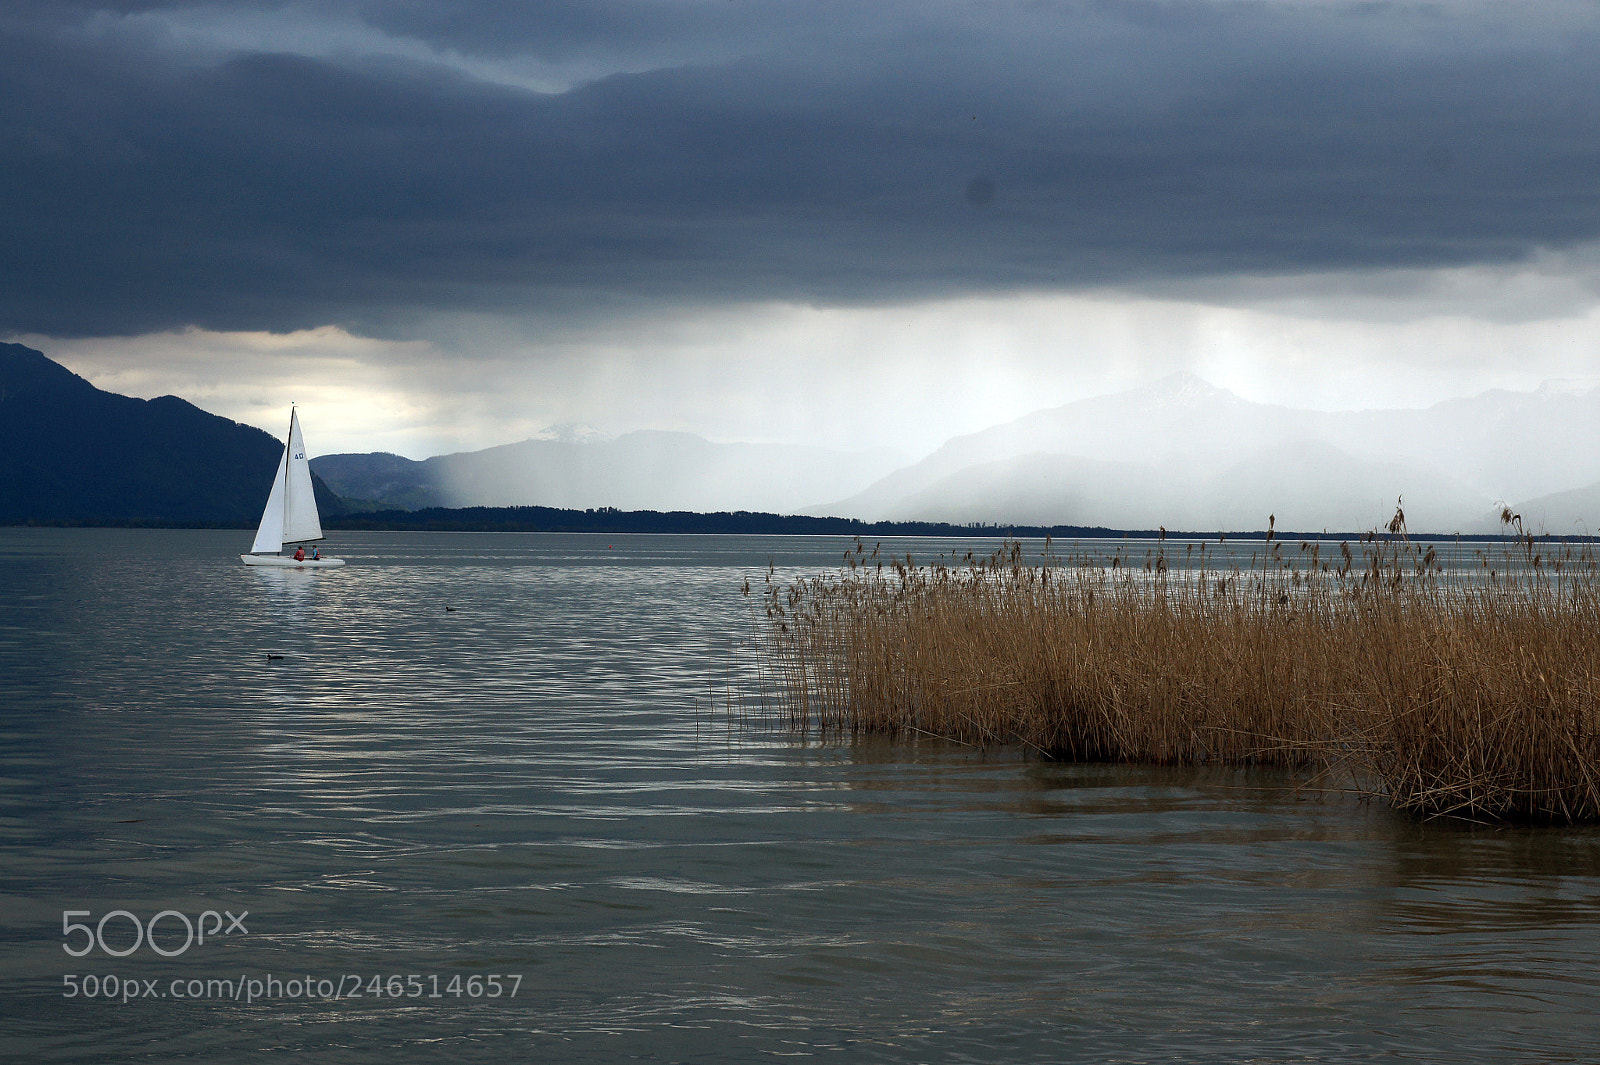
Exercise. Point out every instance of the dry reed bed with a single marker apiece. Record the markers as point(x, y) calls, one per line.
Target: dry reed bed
point(1471, 692)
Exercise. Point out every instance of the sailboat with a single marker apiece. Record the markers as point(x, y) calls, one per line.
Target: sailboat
point(291, 513)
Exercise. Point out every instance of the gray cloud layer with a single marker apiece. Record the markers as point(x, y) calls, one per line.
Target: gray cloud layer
point(752, 150)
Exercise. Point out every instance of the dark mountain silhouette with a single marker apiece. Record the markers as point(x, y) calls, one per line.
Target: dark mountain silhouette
point(77, 455)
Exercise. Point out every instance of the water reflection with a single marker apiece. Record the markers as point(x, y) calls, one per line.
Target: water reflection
point(535, 781)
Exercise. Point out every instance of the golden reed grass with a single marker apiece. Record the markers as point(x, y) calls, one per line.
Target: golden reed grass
point(1470, 689)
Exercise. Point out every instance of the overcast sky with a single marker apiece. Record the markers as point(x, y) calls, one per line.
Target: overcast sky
point(445, 224)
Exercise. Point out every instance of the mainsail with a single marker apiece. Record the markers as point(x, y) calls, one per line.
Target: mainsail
point(291, 513)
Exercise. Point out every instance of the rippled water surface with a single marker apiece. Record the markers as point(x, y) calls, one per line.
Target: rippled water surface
point(511, 755)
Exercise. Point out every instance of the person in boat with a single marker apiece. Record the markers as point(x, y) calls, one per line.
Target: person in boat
point(300, 553)
point(315, 553)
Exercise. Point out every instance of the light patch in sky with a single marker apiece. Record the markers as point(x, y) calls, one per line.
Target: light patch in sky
point(345, 385)
point(905, 377)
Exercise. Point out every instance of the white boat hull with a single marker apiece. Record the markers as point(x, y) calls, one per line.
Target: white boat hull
point(286, 562)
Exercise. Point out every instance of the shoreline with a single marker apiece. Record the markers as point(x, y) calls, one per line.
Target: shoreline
point(611, 521)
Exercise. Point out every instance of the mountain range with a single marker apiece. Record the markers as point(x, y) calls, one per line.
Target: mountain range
point(1188, 455)
point(1178, 453)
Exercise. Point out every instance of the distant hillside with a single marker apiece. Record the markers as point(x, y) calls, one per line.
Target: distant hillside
point(1183, 453)
point(1572, 513)
point(1306, 486)
point(75, 454)
point(645, 470)
point(379, 480)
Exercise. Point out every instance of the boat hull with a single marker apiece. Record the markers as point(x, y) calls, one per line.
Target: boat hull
point(285, 562)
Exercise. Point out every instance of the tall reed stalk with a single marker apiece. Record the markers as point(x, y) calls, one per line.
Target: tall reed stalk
point(1467, 690)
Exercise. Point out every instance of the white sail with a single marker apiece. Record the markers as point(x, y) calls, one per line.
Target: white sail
point(269, 534)
point(291, 512)
point(300, 519)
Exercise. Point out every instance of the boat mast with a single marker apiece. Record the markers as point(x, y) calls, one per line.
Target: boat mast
point(288, 442)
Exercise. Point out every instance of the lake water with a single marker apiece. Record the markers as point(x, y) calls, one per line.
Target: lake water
point(501, 770)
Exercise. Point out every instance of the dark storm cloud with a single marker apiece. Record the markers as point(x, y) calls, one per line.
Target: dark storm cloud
point(849, 157)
